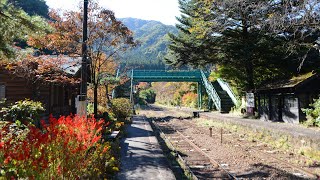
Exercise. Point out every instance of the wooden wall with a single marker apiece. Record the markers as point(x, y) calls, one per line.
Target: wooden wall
point(56, 99)
point(16, 88)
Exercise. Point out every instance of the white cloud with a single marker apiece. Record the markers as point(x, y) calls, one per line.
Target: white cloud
point(160, 10)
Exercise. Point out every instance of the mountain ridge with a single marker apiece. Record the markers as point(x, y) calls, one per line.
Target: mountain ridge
point(153, 39)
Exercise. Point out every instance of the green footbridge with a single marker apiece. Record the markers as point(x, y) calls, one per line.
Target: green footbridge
point(219, 91)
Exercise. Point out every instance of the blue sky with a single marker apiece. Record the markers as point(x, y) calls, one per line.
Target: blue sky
point(160, 10)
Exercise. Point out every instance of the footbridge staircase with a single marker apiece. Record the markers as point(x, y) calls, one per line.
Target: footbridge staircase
point(219, 91)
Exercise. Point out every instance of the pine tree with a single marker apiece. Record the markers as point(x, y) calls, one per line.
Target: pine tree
point(251, 41)
point(186, 47)
point(15, 24)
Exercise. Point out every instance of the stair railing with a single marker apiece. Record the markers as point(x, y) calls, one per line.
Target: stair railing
point(225, 86)
point(114, 91)
point(211, 91)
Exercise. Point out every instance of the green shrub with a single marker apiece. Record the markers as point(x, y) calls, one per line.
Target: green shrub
point(90, 108)
point(147, 96)
point(313, 113)
point(25, 111)
point(101, 109)
point(121, 108)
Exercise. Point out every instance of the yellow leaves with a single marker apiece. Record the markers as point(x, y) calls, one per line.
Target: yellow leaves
point(115, 169)
point(102, 63)
point(171, 92)
point(189, 99)
point(9, 67)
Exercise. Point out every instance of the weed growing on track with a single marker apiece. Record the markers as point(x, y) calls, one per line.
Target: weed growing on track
point(279, 141)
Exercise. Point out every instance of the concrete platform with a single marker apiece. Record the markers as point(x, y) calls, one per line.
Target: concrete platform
point(141, 156)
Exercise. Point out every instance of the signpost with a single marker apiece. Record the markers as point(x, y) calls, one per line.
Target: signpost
point(250, 103)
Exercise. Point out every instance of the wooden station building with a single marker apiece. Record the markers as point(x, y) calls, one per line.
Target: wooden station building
point(57, 98)
point(284, 100)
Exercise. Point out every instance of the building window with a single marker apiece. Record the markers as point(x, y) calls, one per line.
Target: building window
point(292, 102)
point(2, 91)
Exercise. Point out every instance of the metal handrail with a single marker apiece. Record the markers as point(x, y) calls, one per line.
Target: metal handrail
point(211, 91)
point(225, 86)
point(114, 91)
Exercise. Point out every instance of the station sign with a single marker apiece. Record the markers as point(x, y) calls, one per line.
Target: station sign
point(250, 100)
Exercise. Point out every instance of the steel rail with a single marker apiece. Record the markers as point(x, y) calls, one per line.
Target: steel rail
point(231, 175)
point(306, 172)
point(295, 167)
point(167, 140)
point(198, 149)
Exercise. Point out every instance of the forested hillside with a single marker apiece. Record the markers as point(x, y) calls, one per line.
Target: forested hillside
point(152, 48)
point(32, 7)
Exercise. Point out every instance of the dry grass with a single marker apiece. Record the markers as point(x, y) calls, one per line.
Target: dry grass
point(278, 141)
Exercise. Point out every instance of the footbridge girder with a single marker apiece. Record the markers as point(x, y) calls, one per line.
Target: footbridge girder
point(166, 76)
point(197, 76)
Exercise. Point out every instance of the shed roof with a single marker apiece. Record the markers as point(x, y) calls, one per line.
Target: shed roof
point(70, 65)
point(56, 69)
point(291, 83)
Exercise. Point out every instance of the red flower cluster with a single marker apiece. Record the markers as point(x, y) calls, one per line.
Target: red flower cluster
point(61, 146)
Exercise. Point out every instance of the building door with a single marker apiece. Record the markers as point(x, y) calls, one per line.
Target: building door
point(264, 107)
point(290, 111)
point(275, 108)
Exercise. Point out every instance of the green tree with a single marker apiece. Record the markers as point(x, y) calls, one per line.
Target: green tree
point(107, 80)
point(15, 24)
point(251, 41)
point(186, 47)
point(147, 96)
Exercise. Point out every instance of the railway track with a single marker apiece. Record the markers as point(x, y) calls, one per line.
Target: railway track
point(198, 162)
point(284, 165)
point(201, 163)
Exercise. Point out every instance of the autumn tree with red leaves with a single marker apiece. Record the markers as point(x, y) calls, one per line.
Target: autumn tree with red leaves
point(106, 37)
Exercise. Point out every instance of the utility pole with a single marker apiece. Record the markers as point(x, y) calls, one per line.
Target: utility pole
point(82, 98)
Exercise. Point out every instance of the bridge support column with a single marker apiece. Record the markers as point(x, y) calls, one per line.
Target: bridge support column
point(199, 95)
point(131, 89)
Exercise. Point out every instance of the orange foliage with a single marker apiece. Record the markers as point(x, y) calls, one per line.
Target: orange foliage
point(60, 148)
point(44, 68)
point(170, 93)
point(143, 85)
point(106, 37)
point(189, 99)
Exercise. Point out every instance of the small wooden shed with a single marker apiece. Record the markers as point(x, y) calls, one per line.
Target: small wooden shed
point(284, 100)
point(57, 98)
